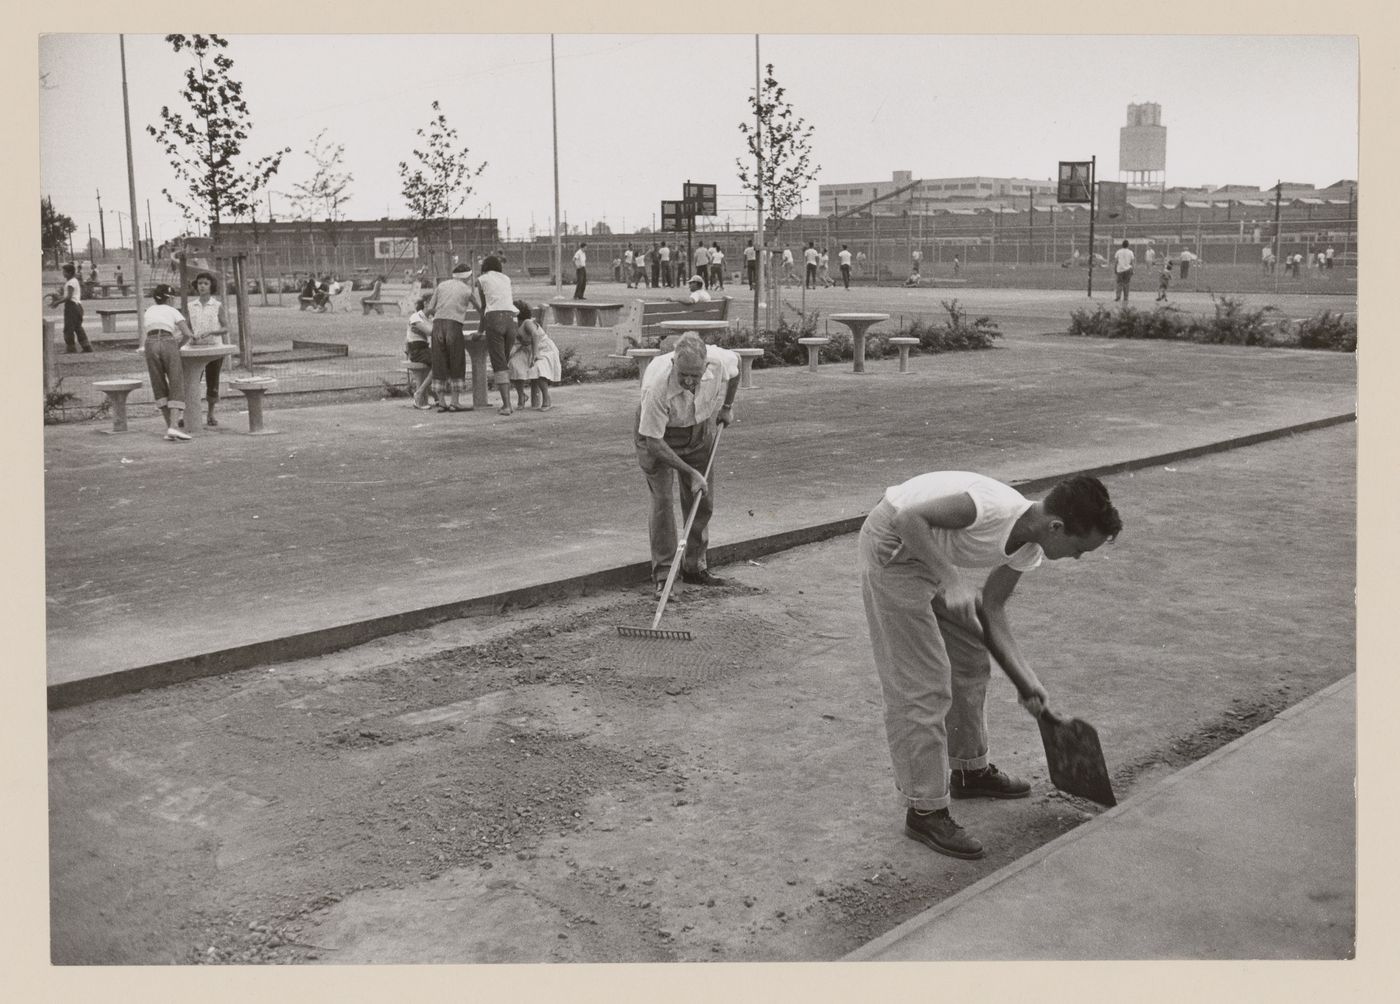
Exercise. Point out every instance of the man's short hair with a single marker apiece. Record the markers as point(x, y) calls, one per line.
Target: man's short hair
point(459, 269)
point(1083, 503)
point(691, 348)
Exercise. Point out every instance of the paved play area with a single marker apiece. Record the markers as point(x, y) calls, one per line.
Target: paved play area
point(382, 595)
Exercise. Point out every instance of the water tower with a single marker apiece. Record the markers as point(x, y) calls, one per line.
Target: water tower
point(1142, 146)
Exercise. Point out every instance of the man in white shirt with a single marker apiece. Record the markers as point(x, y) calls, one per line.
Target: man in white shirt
point(788, 264)
point(686, 395)
point(931, 626)
point(629, 262)
point(580, 270)
point(716, 277)
point(702, 264)
point(844, 257)
point(750, 265)
point(810, 256)
point(666, 277)
point(1123, 261)
point(1186, 258)
point(697, 293)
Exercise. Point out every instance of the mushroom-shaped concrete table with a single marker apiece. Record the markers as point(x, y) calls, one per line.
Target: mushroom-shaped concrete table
point(116, 391)
point(904, 345)
point(644, 358)
point(859, 323)
point(193, 359)
point(746, 358)
point(814, 349)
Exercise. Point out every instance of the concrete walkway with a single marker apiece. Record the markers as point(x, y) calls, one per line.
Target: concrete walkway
point(1220, 861)
point(170, 561)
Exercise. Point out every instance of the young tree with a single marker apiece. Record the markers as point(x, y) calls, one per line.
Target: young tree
point(785, 145)
point(54, 228)
point(205, 145)
point(439, 182)
point(326, 193)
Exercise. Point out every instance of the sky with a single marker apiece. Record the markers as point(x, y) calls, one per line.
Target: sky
point(638, 115)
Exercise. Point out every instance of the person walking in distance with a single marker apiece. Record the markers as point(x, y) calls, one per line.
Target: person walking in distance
point(1164, 282)
point(917, 550)
point(629, 266)
point(580, 270)
point(71, 296)
point(655, 258)
point(1123, 260)
point(716, 266)
point(702, 263)
point(844, 257)
point(750, 265)
point(810, 255)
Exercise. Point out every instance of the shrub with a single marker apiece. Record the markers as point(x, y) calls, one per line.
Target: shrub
point(954, 334)
point(1097, 323)
point(1235, 325)
point(60, 407)
point(1328, 331)
point(394, 388)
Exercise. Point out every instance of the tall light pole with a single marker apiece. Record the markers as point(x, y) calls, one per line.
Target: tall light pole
point(131, 193)
point(758, 186)
point(554, 113)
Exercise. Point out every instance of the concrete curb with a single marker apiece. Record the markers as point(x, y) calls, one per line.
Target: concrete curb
point(321, 641)
point(870, 951)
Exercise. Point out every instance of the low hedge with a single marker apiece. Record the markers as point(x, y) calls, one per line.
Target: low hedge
point(1231, 324)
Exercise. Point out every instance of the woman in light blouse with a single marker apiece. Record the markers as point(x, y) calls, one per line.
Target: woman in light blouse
point(209, 325)
point(166, 331)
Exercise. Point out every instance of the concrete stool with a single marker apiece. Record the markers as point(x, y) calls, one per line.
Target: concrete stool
point(746, 358)
point(116, 391)
point(644, 358)
point(814, 347)
point(904, 345)
point(253, 389)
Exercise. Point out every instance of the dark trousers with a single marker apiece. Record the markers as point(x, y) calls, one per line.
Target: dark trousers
point(846, 275)
point(73, 333)
point(655, 274)
point(811, 276)
point(211, 379)
point(693, 445)
point(717, 274)
point(751, 269)
point(580, 282)
point(1185, 269)
point(666, 272)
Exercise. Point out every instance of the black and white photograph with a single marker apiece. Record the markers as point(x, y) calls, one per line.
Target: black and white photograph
point(582, 493)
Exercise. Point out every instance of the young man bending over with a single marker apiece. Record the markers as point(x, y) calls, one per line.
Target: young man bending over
point(918, 549)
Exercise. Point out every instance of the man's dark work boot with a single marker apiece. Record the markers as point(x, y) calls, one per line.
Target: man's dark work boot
point(987, 783)
point(938, 830)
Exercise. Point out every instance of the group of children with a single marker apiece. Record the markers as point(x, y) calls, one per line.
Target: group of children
point(534, 361)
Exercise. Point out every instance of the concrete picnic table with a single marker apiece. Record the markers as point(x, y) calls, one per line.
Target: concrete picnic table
point(858, 323)
point(586, 313)
point(109, 317)
point(193, 359)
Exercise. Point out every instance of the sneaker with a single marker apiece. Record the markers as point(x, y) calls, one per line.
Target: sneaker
point(211, 420)
point(987, 783)
point(938, 830)
point(176, 436)
point(704, 578)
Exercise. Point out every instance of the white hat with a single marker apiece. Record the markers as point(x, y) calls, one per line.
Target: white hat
point(695, 278)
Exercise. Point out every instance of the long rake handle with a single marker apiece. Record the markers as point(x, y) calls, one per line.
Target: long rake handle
point(685, 535)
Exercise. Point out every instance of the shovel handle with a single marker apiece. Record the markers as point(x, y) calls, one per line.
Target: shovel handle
point(1012, 671)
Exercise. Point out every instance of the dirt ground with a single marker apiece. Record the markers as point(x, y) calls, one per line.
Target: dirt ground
point(531, 788)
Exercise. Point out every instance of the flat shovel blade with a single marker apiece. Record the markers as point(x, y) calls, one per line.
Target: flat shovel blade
point(1075, 758)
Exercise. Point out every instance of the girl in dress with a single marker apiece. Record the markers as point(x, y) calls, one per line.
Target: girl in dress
point(546, 366)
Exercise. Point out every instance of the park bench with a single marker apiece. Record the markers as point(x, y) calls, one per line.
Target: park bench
point(109, 316)
point(585, 313)
point(538, 271)
point(640, 321)
point(103, 289)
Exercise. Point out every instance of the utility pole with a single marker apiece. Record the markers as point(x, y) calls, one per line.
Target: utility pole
point(554, 112)
point(1278, 210)
point(1093, 185)
point(101, 225)
point(131, 194)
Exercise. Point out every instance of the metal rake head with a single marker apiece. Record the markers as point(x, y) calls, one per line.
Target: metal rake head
point(666, 634)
